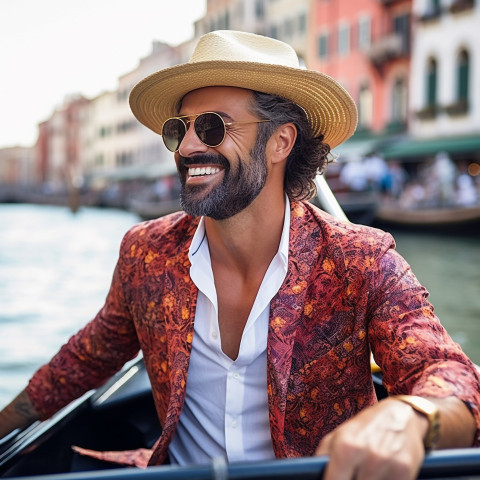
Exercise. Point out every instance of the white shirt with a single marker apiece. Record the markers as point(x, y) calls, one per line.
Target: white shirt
point(226, 405)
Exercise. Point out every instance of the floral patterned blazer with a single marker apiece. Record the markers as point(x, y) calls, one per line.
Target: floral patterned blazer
point(347, 292)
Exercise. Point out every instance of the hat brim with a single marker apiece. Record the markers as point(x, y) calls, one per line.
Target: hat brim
point(329, 107)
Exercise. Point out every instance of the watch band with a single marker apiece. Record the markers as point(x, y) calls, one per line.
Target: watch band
point(431, 411)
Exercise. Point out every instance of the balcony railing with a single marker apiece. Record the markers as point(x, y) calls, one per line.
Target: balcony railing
point(430, 15)
point(385, 49)
point(460, 107)
point(461, 5)
point(428, 112)
point(388, 2)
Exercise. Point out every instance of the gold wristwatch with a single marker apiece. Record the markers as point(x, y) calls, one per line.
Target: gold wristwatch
point(431, 411)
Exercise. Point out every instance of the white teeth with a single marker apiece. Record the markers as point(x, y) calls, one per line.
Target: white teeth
point(195, 172)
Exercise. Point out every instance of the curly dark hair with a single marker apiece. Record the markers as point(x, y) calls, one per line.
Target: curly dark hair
point(309, 154)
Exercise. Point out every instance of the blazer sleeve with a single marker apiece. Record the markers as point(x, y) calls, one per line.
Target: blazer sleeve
point(92, 355)
point(413, 349)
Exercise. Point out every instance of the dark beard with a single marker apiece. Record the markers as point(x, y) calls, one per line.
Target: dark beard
point(238, 189)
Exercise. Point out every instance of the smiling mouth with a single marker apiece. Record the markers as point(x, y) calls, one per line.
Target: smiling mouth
point(201, 171)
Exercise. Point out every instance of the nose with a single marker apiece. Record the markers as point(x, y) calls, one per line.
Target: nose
point(191, 144)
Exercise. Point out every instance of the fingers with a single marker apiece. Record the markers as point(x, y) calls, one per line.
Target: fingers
point(337, 468)
point(379, 444)
point(350, 461)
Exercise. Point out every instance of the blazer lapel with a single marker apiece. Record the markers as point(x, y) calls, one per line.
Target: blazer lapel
point(180, 300)
point(285, 315)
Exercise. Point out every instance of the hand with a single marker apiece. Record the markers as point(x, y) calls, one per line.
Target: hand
point(384, 441)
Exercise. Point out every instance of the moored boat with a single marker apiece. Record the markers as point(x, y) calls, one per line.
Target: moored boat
point(441, 216)
point(149, 209)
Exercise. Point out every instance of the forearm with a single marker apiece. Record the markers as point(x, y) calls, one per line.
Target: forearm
point(457, 424)
point(20, 413)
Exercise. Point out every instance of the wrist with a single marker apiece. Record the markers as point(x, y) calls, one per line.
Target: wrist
point(428, 410)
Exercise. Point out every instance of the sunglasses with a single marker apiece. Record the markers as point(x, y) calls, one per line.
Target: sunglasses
point(209, 127)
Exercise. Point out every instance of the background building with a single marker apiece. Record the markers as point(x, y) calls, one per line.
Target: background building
point(445, 103)
point(287, 20)
point(411, 67)
point(366, 46)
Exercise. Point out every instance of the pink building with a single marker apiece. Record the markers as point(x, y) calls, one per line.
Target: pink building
point(366, 46)
point(59, 147)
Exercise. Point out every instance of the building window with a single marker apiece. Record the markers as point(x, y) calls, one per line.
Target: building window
point(401, 27)
point(460, 105)
point(126, 126)
point(343, 40)
point(434, 5)
point(433, 10)
point(124, 159)
point(429, 110)
point(122, 95)
point(431, 83)
point(365, 107)
point(99, 160)
point(259, 9)
point(323, 46)
point(104, 132)
point(302, 23)
point(364, 33)
point(399, 101)
point(222, 22)
point(463, 73)
point(288, 27)
point(461, 5)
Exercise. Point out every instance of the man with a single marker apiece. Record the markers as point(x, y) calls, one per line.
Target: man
point(255, 311)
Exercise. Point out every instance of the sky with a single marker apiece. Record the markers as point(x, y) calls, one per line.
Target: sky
point(53, 48)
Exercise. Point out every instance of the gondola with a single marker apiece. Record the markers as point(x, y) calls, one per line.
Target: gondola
point(121, 415)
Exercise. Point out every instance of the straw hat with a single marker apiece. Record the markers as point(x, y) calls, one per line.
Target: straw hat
point(246, 60)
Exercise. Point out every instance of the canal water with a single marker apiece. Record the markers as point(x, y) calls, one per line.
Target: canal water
point(55, 270)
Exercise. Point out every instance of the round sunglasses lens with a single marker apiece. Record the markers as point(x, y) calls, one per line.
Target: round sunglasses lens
point(173, 131)
point(210, 129)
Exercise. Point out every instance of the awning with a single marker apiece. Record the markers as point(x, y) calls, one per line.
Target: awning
point(356, 149)
point(416, 148)
point(363, 144)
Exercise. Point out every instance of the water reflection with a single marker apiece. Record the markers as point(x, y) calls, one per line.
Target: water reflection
point(55, 270)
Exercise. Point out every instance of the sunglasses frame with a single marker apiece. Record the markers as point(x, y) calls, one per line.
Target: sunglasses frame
point(193, 118)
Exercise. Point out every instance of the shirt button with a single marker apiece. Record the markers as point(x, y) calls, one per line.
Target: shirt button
point(214, 335)
point(236, 375)
point(234, 424)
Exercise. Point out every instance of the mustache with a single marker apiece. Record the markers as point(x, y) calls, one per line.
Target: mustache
point(204, 159)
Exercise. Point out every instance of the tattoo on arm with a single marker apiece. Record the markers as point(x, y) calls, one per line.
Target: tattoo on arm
point(24, 408)
point(20, 413)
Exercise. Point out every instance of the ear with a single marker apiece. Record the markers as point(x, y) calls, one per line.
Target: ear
point(280, 144)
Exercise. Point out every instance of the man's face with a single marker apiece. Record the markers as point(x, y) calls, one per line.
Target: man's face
point(222, 181)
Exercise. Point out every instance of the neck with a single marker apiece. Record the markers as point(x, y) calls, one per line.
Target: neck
point(249, 240)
